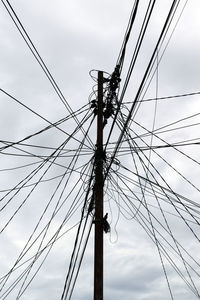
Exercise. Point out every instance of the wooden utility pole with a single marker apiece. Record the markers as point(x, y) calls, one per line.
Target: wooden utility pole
point(99, 182)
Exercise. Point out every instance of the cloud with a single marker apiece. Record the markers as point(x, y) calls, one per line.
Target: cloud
point(72, 38)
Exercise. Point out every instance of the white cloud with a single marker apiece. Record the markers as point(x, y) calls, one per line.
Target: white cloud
point(72, 38)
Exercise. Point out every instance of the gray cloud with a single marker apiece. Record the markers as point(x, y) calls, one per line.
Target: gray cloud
point(74, 37)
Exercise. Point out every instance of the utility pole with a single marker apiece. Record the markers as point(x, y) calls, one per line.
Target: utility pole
point(99, 182)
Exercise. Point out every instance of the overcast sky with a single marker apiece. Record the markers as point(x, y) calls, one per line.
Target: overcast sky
point(74, 37)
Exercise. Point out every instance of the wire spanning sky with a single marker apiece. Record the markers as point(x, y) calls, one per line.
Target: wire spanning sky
point(48, 136)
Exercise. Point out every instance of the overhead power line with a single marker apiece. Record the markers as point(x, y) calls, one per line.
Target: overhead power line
point(39, 59)
point(165, 98)
point(43, 118)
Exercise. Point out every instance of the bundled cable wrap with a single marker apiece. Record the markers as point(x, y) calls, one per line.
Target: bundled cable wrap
point(106, 225)
point(111, 97)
